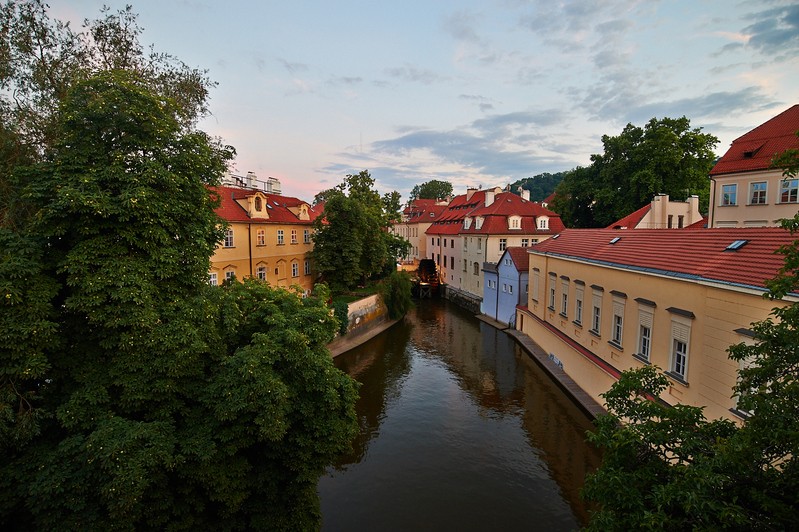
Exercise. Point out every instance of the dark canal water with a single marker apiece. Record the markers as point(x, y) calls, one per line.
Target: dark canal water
point(460, 430)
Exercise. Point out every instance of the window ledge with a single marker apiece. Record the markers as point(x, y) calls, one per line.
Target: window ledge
point(756, 204)
point(730, 205)
point(615, 344)
point(578, 323)
point(564, 315)
point(595, 333)
point(641, 358)
point(677, 378)
point(551, 308)
point(740, 414)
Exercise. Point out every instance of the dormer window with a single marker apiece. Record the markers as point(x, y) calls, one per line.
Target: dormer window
point(467, 222)
point(258, 204)
point(514, 222)
point(543, 223)
point(478, 222)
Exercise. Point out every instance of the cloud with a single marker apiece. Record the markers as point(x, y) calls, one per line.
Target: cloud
point(415, 75)
point(775, 31)
point(461, 26)
point(346, 80)
point(292, 68)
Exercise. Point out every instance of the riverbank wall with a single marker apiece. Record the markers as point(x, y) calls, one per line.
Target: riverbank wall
point(367, 318)
point(462, 298)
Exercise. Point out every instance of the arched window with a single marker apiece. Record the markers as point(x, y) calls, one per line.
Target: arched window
point(258, 204)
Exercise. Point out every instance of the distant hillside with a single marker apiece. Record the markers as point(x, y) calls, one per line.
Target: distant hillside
point(540, 186)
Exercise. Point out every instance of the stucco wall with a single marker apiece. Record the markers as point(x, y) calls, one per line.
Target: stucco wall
point(365, 314)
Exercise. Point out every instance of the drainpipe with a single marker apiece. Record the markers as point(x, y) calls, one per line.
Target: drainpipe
point(711, 210)
point(249, 245)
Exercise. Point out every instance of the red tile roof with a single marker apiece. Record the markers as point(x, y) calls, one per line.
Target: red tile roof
point(632, 220)
point(754, 150)
point(696, 255)
point(521, 259)
point(277, 206)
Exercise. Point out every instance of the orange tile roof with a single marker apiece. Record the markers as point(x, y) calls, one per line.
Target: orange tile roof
point(278, 206)
point(693, 255)
point(521, 259)
point(754, 150)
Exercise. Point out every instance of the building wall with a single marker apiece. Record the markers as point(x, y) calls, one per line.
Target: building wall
point(745, 213)
point(717, 313)
point(246, 256)
point(511, 286)
point(490, 302)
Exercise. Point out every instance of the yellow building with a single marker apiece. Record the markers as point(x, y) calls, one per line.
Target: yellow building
point(269, 237)
point(602, 301)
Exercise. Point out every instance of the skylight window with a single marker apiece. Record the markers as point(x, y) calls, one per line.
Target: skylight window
point(735, 246)
point(615, 239)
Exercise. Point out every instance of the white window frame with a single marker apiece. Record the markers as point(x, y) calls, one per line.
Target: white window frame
point(295, 269)
point(789, 191)
point(260, 272)
point(729, 194)
point(280, 237)
point(294, 236)
point(213, 279)
point(228, 237)
point(564, 297)
point(260, 237)
point(596, 312)
point(617, 333)
point(307, 267)
point(680, 335)
point(503, 244)
point(306, 236)
point(756, 195)
point(646, 321)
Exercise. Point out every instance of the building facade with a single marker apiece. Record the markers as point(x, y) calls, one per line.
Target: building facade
point(269, 237)
point(505, 285)
point(416, 219)
point(745, 191)
point(601, 302)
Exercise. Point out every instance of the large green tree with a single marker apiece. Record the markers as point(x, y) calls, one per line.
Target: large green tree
point(134, 395)
point(433, 189)
point(351, 240)
point(540, 186)
point(665, 156)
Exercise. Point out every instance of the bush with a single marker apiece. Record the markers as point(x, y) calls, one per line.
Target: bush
point(396, 293)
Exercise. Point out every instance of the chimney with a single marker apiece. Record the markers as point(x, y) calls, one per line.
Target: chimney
point(525, 194)
point(490, 196)
point(693, 209)
point(470, 192)
point(251, 179)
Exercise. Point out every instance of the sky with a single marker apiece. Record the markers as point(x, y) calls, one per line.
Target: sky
point(473, 92)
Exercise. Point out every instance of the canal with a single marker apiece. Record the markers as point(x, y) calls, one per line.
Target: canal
point(459, 430)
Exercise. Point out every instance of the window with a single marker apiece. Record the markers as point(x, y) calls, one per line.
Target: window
point(788, 190)
point(295, 269)
point(293, 236)
point(543, 222)
point(229, 238)
point(680, 221)
point(260, 273)
point(280, 237)
point(260, 237)
point(525, 242)
point(552, 291)
point(536, 278)
point(258, 204)
point(452, 263)
point(476, 269)
point(758, 192)
point(670, 223)
point(680, 342)
point(445, 242)
point(564, 296)
point(644, 341)
point(503, 243)
point(579, 289)
point(646, 318)
point(212, 279)
point(504, 287)
point(230, 275)
point(479, 244)
point(464, 264)
point(307, 267)
point(617, 333)
point(515, 222)
point(306, 236)
point(596, 311)
point(510, 288)
point(729, 194)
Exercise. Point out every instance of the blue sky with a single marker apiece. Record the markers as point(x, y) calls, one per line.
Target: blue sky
point(471, 92)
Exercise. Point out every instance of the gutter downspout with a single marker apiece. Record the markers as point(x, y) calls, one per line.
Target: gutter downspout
point(712, 198)
point(249, 245)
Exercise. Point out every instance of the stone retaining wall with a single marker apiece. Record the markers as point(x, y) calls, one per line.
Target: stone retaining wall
point(365, 314)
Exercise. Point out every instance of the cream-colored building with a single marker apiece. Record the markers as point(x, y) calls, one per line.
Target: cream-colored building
point(745, 191)
point(662, 213)
point(416, 219)
point(602, 301)
point(269, 237)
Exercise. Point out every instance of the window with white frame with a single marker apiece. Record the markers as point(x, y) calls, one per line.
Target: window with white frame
point(617, 333)
point(260, 272)
point(280, 237)
point(543, 222)
point(230, 275)
point(504, 287)
point(479, 244)
point(503, 243)
point(564, 296)
point(680, 343)
point(758, 193)
point(789, 191)
point(646, 319)
point(295, 269)
point(552, 282)
point(510, 288)
point(515, 222)
point(596, 310)
point(579, 290)
point(293, 236)
point(307, 267)
point(536, 281)
point(212, 279)
point(525, 242)
point(229, 237)
point(260, 237)
point(306, 236)
point(729, 194)
point(476, 269)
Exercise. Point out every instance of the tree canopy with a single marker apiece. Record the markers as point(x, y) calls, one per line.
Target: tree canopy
point(134, 395)
point(433, 189)
point(540, 186)
point(665, 156)
point(351, 240)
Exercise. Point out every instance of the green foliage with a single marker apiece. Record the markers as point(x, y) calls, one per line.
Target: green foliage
point(540, 186)
point(351, 240)
point(433, 189)
point(341, 310)
point(396, 294)
point(665, 156)
point(392, 206)
point(134, 395)
point(669, 468)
